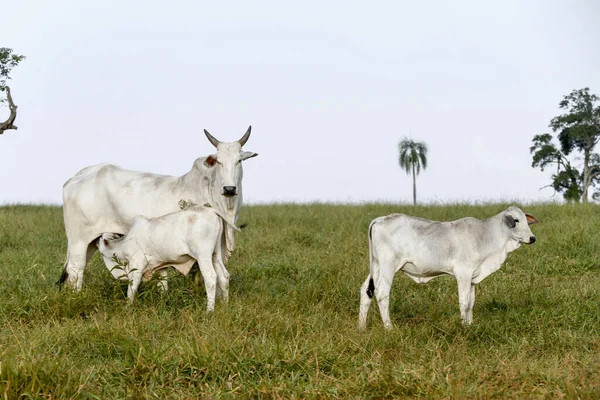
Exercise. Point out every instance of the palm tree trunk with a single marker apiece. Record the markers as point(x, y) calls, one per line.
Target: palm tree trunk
point(414, 186)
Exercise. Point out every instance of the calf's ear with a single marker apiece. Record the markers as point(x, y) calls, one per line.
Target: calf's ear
point(210, 161)
point(531, 219)
point(510, 221)
point(106, 238)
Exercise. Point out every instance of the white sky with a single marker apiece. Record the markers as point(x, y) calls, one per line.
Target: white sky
point(329, 88)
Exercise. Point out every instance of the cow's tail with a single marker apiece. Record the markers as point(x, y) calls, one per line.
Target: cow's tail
point(64, 275)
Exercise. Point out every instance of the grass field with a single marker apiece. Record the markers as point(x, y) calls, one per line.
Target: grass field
point(290, 328)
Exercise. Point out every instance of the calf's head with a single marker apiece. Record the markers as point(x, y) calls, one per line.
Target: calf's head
point(518, 223)
point(228, 161)
point(110, 247)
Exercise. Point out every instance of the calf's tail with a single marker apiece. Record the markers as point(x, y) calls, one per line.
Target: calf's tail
point(371, 288)
point(374, 266)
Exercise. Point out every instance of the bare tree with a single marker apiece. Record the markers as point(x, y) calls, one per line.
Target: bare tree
point(8, 61)
point(9, 123)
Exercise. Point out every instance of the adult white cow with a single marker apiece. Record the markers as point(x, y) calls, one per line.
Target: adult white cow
point(468, 249)
point(178, 239)
point(105, 198)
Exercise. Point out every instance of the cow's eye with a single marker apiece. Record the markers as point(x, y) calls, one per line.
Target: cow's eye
point(516, 220)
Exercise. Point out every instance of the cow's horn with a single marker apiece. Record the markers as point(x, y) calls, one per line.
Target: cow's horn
point(244, 138)
point(211, 138)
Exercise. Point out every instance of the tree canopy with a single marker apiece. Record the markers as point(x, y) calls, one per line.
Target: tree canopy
point(578, 133)
point(413, 157)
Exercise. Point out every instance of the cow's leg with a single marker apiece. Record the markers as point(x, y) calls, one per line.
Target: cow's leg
point(163, 285)
point(367, 290)
point(196, 277)
point(383, 285)
point(78, 255)
point(471, 304)
point(210, 280)
point(464, 296)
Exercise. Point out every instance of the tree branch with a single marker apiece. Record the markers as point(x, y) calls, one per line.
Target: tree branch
point(594, 175)
point(563, 161)
point(8, 124)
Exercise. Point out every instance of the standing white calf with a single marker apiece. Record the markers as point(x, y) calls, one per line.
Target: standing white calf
point(177, 239)
point(468, 249)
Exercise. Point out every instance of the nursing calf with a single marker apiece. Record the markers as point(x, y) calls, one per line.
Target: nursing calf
point(468, 249)
point(177, 239)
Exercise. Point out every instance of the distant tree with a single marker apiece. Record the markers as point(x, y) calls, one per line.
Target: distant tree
point(413, 157)
point(578, 133)
point(8, 61)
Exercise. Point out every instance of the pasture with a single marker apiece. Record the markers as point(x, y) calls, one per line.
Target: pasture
point(290, 328)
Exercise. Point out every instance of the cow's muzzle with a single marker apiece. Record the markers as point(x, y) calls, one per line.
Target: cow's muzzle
point(229, 191)
point(531, 240)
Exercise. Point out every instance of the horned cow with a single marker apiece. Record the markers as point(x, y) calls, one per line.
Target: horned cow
point(106, 198)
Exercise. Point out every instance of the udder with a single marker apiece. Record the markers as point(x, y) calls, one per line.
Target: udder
point(183, 264)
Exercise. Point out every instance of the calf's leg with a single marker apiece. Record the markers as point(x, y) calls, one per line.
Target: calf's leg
point(222, 277)
point(383, 286)
point(464, 296)
point(210, 281)
point(134, 283)
point(471, 304)
point(367, 290)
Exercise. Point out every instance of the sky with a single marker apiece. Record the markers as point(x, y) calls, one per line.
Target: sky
point(330, 88)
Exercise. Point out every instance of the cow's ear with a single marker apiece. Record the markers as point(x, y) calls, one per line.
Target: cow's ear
point(510, 221)
point(210, 161)
point(531, 219)
point(247, 154)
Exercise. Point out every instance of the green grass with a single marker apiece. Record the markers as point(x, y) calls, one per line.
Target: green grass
point(290, 328)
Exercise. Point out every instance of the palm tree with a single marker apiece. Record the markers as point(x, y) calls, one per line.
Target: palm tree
point(413, 156)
